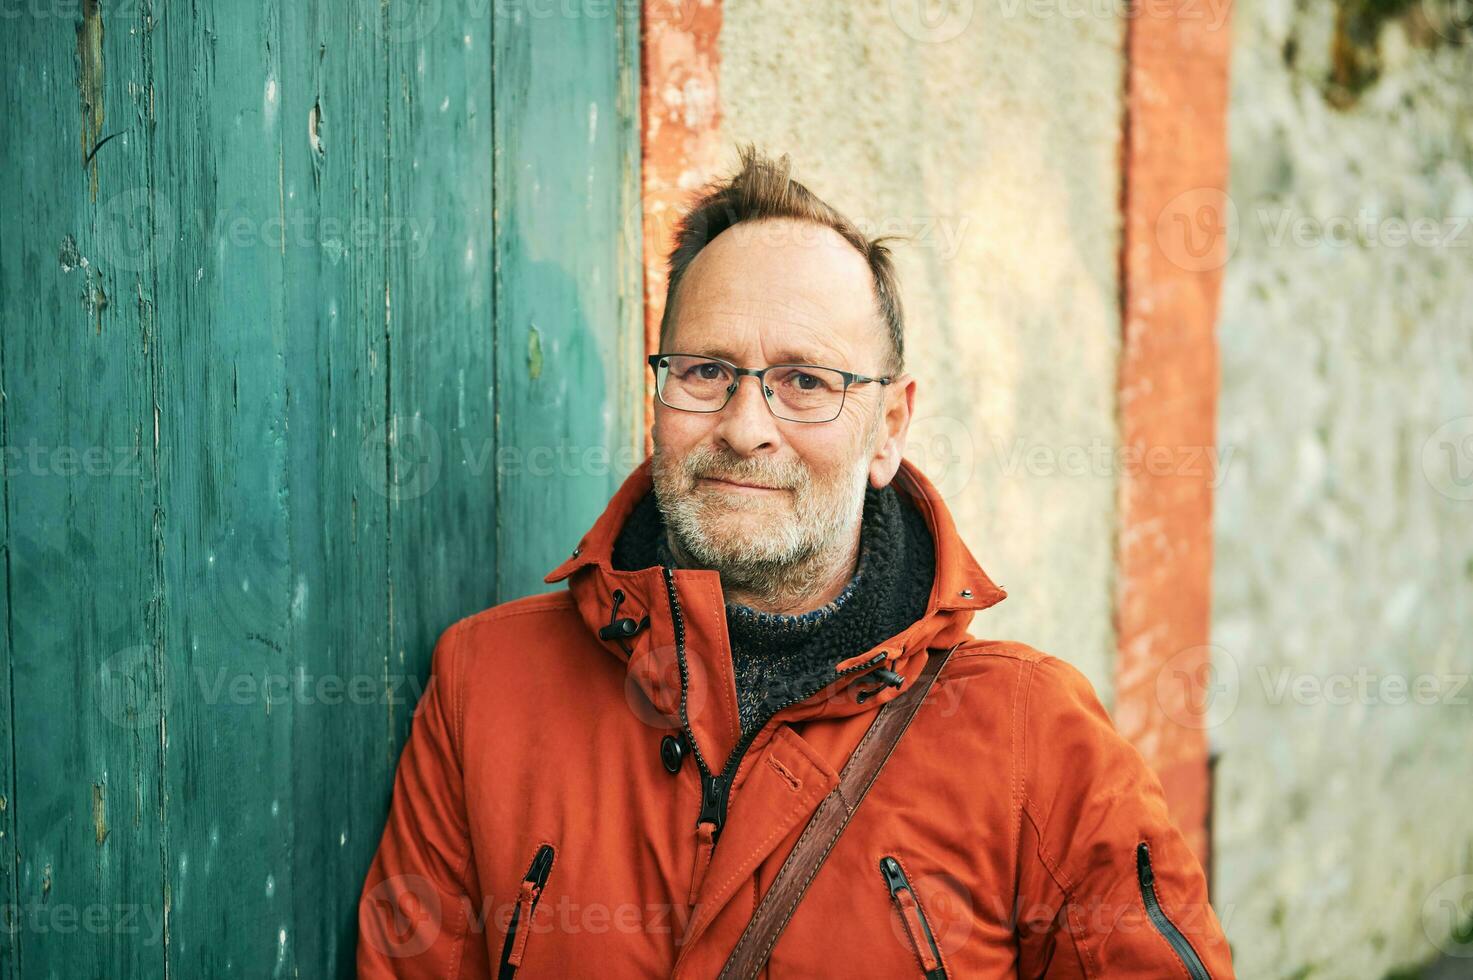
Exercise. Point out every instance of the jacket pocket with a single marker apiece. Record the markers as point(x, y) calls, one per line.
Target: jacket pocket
point(914, 918)
point(1173, 935)
point(519, 929)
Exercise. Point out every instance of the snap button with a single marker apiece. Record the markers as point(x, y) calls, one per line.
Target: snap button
point(672, 753)
point(966, 593)
point(577, 550)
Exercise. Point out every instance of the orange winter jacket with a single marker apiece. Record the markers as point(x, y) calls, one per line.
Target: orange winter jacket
point(576, 800)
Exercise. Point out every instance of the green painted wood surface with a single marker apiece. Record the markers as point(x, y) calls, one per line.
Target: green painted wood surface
point(569, 365)
point(258, 357)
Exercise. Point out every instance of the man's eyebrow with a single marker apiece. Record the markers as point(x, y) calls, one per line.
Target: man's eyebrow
point(786, 355)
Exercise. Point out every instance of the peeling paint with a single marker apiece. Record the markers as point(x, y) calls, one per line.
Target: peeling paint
point(94, 296)
point(534, 353)
point(70, 258)
point(89, 84)
point(314, 128)
point(99, 814)
point(96, 303)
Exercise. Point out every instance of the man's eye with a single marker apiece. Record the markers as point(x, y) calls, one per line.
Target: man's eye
point(709, 371)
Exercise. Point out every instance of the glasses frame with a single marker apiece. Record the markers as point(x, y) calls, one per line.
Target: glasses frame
point(850, 378)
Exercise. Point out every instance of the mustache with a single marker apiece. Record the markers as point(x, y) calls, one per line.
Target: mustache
point(779, 478)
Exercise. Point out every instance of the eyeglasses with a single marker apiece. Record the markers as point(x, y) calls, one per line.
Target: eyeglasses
point(793, 392)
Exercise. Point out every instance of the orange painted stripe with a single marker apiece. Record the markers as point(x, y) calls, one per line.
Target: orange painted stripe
point(1174, 174)
point(680, 111)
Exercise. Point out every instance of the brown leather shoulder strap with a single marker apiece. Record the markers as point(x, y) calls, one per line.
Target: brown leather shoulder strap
point(828, 822)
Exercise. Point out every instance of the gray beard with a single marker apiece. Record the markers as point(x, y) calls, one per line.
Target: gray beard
point(781, 561)
point(782, 564)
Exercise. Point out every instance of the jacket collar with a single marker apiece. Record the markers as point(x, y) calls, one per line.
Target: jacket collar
point(683, 612)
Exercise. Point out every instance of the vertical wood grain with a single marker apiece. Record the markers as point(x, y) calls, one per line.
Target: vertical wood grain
point(220, 114)
point(569, 332)
point(266, 342)
point(85, 535)
point(9, 918)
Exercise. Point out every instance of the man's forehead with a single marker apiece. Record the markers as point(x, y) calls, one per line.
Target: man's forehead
point(806, 334)
point(787, 350)
point(797, 274)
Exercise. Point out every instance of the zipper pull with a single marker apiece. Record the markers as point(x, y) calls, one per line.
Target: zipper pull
point(526, 904)
point(894, 877)
point(527, 897)
point(705, 844)
point(1143, 868)
point(714, 792)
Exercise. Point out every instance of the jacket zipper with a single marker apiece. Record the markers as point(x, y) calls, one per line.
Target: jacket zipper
point(520, 927)
point(716, 788)
point(1179, 943)
point(914, 918)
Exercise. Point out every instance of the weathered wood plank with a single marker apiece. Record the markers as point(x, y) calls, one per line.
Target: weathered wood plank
point(335, 173)
point(570, 401)
point(9, 917)
point(429, 360)
point(217, 126)
point(84, 542)
point(9, 461)
point(440, 410)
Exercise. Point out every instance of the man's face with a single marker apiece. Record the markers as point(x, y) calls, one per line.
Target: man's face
point(765, 293)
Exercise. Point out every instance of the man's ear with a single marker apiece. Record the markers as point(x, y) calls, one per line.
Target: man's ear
point(900, 396)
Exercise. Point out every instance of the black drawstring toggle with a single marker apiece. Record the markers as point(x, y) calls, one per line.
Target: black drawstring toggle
point(621, 627)
point(886, 677)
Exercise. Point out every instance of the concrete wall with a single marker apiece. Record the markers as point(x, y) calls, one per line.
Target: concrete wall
point(991, 138)
point(1344, 527)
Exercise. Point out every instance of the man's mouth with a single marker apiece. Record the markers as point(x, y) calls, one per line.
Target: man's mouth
point(718, 481)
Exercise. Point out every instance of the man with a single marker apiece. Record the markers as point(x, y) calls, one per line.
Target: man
point(604, 781)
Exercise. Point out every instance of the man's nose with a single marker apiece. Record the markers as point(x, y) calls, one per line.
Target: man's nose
point(746, 424)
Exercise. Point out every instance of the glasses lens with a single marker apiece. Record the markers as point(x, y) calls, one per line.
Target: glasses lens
point(804, 393)
point(695, 384)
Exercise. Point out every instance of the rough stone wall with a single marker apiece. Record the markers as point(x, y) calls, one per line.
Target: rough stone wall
point(1343, 580)
point(989, 134)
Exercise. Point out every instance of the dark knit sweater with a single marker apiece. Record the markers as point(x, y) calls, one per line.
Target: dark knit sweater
point(777, 658)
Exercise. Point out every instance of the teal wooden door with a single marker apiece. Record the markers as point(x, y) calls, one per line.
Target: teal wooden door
point(321, 329)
